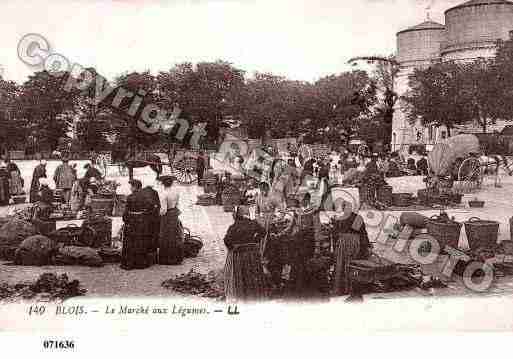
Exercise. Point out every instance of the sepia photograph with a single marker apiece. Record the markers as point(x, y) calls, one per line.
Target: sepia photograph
point(341, 166)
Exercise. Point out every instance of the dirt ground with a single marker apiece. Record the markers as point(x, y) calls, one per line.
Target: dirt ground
point(211, 223)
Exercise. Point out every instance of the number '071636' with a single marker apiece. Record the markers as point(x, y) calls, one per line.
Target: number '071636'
point(37, 310)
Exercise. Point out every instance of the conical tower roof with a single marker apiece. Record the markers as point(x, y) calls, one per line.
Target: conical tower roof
point(426, 25)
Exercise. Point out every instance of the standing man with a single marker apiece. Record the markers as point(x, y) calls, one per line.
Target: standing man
point(39, 172)
point(200, 166)
point(64, 178)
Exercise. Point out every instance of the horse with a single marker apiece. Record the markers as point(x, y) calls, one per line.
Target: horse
point(144, 160)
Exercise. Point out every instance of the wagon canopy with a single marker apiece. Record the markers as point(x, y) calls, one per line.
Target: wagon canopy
point(445, 153)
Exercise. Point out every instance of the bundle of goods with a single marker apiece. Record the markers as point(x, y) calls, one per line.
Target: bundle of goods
point(402, 199)
point(208, 199)
point(52, 286)
point(12, 233)
point(481, 233)
point(110, 255)
point(102, 230)
point(74, 255)
point(72, 235)
point(36, 250)
point(230, 196)
point(44, 227)
point(430, 196)
point(194, 283)
point(445, 230)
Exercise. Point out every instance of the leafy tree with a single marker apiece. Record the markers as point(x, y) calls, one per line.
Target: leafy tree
point(13, 129)
point(207, 93)
point(435, 96)
point(48, 107)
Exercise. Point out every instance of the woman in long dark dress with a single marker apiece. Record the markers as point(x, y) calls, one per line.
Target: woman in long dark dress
point(138, 243)
point(171, 232)
point(39, 172)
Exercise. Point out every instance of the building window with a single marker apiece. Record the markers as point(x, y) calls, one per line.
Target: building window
point(444, 135)
point(394, 140)
point(431, 133)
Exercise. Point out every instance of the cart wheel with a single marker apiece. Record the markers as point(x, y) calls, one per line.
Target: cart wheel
point(185, 170)
point(470, 174)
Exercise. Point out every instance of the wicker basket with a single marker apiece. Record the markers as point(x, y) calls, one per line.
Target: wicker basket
point(481, 233)
point(402, 199)
point(476, 204)
point(446, 233)
point(19, 199)
point(209, 185)
point(231, 196)
point(228, 208)
point(102, 206)
point(367, 194)
point(384, 195)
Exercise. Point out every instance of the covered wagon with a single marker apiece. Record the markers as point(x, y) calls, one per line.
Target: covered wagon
point(447, 157)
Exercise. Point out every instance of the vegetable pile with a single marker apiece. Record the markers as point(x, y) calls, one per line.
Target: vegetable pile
point(205, 285)
point(48, 286)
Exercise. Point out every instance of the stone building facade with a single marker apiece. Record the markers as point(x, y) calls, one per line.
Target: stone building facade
point(470, 32)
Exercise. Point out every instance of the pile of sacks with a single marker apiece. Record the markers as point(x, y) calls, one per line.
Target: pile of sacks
point(20, 242)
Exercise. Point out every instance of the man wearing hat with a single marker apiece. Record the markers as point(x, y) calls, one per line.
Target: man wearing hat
point(39, 172)
point(64, 178)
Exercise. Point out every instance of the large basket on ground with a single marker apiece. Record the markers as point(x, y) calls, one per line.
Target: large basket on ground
point(209, 185)
point(100, 205)
point(447, 233)
point(384, 195)
point(367, 194)
point(402, 199)
point(481, 233)
point(231, 196)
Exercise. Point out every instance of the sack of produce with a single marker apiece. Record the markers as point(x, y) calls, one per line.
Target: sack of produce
point(73, 255)
point(35, 251)
point(16, 231)
point(414, 219)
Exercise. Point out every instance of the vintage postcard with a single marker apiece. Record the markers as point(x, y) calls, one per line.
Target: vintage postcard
point(295, 166)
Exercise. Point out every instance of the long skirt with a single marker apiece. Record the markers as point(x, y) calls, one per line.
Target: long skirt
point(348, 248)
point(171, 239)
point(137, 252)
point(4, 191)
point(15, 183)
point(243, 274)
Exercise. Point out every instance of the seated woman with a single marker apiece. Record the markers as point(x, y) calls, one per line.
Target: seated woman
point(352, 241)
point(243, 274)
point(44, 205)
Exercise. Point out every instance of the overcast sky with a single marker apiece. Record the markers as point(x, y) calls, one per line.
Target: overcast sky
point(301, 39)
